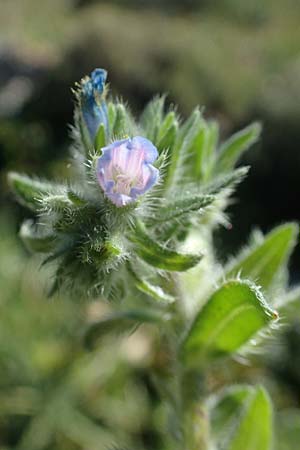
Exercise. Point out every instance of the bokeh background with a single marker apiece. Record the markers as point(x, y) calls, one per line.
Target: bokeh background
point(240, 61)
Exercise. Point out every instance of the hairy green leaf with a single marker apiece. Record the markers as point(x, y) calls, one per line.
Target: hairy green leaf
point(158, 256)
point(29, 192)
point(182, 148)
point(227, 181)
point(122, 124)
point(235, 146)
point(167, 132)
point(205, 145)
point(100, 139)
point(225, 408)
point(182, 207)
point(231, 316)
point(254, 430)
point(144, 286)
point(263, 262)
point(152, 118)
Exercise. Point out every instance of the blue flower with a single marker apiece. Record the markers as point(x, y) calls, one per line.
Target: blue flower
point(92, 100)
point(125, 170)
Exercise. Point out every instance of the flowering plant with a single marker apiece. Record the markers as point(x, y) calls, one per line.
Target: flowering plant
point(134, 229)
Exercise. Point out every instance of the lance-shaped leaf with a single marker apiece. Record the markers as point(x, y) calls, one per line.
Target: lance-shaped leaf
point(263, 262)
point(35, 239)
point(152, 118)
point(121, 321)
point(254, 429)
point(147, 288)
point(227, 181)
point(167, 132)
point(100, 139)
point(182, 207)
point(225, 408)
point(182, 148)
point(123, 124)
point(29, 192)
point(235, 146)
point(229, 319)
point(205, 146)
point(158, 256)
point(76, 198)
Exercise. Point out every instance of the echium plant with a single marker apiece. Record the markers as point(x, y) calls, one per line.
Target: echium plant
point(134, 227)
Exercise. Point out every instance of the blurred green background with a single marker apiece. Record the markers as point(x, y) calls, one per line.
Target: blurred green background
point(241, 61)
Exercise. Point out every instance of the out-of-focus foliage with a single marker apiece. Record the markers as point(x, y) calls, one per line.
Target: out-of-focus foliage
point(54, 394)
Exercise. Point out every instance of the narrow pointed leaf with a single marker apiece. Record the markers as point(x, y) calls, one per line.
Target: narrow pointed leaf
point(111, 115)
point(235, 146)
point(158, 256)
point(229, 319)
point(152, 117)
point(227, 181)
point(183, 148)
point(100, 139)
point(225, 408)
point(263, 262)
point(203, 156)
point(122, 124)
point(168, 132)
point(76, 199)
point(144, 286)
point(182, 207)
point(254, 430)
point(29, 192)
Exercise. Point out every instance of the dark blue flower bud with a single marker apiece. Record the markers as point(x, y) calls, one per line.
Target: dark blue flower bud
point(92, 101)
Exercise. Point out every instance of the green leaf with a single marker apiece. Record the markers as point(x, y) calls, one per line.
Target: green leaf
point(229, 319)
point(100, 139)
point(183, 148)
point(76, 199)
point(254, 430)
point(122, 124)
point(205, 145)
point(235, 146)
point(56, 202)
point(263, 262)
point(147, 288)
point(161, 257)
point(29, 192)
point(225, 408)
point(182, 207)
point(35, 240)
point(111, 114)
point(227, 181)
point(152, 118)
point(119, 322)
point(167, 132)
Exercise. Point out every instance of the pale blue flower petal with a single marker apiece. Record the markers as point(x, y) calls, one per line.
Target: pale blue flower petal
point(124, 169)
